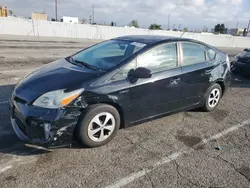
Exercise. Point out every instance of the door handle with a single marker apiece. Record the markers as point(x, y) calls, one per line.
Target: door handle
point(175, 81)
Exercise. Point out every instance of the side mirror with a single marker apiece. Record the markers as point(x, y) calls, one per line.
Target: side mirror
point(246, 50)
point(122, 47)
point(141, 72)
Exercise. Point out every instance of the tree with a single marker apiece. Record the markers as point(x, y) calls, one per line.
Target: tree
point(11, 12)
point(217, 28)
point(220, 28)
point(82, 21)
point(185, 29)
point(112, 24)
point(155, 27)
point(245, 32)
point(134, 23)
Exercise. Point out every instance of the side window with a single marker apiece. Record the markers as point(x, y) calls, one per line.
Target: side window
point(192, 53)
point(123, 73)
point(160, 58)
point(211, 54)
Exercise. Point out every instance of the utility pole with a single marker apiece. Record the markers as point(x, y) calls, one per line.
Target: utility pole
point(169, 22)
point(236, 31)
point(248, 27)
point(90, 20)
point(93, 14)
point(173, 26)
point(56, 9)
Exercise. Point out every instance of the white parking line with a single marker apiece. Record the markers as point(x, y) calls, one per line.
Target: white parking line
point(134, 176)
point(5, 168)
point(13, 160)
point(4, 102)
point(16, 78)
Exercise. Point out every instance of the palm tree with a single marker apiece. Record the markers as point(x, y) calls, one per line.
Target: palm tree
point(10, 12)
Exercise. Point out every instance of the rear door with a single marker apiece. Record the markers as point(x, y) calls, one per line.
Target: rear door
point(197, 68)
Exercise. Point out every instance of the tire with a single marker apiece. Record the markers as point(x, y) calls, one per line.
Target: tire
point(94, 119)
point(212, 98)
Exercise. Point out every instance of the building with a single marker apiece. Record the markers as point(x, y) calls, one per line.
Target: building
point(3, 11)
point(67, 19)
point(39, 16)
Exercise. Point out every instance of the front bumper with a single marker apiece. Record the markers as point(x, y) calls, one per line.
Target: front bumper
point(44, 127)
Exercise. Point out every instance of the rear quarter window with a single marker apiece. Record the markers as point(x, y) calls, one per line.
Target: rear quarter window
point(211, 54)
point(221, 57)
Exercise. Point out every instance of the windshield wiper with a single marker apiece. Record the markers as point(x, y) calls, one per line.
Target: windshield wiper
point(85, 64)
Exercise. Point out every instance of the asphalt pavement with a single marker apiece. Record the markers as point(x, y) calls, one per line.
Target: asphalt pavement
point(187, 149)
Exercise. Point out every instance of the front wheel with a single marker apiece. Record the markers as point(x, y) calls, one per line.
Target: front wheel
point(98, 126)
point(212, 98)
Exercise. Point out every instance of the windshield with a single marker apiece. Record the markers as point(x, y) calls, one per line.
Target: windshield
point(108, 54)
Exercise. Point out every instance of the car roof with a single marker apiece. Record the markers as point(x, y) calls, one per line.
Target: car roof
point(152, 39)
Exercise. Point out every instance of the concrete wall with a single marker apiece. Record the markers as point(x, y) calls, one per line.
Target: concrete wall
point(17, 26)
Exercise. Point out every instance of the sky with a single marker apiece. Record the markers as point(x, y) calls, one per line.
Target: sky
point(193, 14)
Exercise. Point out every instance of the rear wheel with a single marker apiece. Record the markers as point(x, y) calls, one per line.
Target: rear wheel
point(98, 126)
point(212, 97)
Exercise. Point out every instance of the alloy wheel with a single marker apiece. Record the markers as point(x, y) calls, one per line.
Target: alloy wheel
point(214, 98)
point(101, 127)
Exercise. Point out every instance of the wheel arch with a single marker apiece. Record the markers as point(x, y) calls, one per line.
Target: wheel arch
point(117, 107)
point(222, 85)
point(120, 111)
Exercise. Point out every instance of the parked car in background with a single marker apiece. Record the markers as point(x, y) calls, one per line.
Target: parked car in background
point(115, 84)
point(241, 63)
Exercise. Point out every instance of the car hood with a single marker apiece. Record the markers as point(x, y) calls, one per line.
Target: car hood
point(57, 75)
point(244, 59)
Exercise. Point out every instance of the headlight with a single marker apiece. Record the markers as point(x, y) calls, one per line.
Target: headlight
point(236, 58)
point(57, 99)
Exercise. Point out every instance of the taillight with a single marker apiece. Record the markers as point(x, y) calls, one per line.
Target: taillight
point(228, 62)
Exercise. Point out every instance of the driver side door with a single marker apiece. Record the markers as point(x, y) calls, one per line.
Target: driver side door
point(161, 93)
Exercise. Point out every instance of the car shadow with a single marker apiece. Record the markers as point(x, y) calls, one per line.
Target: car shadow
point(11, 144)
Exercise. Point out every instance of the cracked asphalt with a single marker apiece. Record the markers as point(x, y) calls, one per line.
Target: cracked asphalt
point(186, 149)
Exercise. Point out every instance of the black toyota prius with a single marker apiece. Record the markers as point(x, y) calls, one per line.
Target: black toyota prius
point(115, 84)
